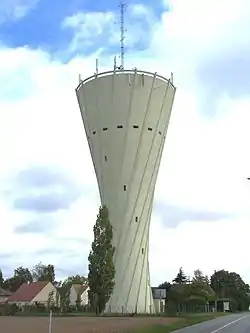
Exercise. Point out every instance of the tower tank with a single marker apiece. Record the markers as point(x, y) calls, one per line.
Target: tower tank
point(126, 115)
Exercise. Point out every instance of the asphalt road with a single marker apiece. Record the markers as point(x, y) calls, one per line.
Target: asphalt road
point(236, 323)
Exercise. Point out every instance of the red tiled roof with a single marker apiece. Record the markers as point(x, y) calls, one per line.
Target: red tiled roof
point(27, 292)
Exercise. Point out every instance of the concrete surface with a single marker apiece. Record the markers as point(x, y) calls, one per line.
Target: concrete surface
point(235, 323)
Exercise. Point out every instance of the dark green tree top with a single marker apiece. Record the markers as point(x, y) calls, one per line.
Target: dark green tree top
point(181, 278)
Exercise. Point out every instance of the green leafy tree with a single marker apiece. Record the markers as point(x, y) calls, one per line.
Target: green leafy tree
point(76, 279)
point(21, 275)
point(43, 272)
point(101, 266)
point(181, 278)
point(199, 277)
point(230, 285)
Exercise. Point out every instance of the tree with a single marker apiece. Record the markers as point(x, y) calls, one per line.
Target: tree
point(51, 300)
point(64, 295)
point(101, 266)
point(181, 278)
point(21, 275)
point(76, 279)
point(231, 286)
point(42, 272)
point(1, 279)
point(199, 277)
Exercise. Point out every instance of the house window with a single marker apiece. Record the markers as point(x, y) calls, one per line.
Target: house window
point(136, 219)
point(119, 126)
point(150, 128)
point(94, 132)
point(105, 129)
point(142, 250)
point(105, 158)
point(135, 126)
point(124, 187)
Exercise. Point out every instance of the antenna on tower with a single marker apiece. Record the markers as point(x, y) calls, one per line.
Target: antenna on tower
point(122, 30)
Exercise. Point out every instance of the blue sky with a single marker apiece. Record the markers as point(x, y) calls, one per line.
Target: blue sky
point(42, 26)
point(49, 195)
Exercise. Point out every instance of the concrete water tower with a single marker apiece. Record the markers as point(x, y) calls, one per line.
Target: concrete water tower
point(126, 115)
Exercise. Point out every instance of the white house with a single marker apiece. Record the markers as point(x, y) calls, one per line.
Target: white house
point(79, 290)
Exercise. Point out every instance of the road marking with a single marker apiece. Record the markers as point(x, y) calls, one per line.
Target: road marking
point(228, 324)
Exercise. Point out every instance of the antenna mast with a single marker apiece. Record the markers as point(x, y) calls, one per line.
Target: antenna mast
point(122, 30)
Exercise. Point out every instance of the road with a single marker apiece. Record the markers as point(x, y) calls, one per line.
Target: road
point(235, 323)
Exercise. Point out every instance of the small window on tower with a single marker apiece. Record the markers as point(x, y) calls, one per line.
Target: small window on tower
point(159, 132)
point(94, 132)
point(136, 219)
point(105, 158)
point(142, 250)
point(150, 128)
point(124, 187)
point(135, 126)
point(105, 129)
point(119, 126)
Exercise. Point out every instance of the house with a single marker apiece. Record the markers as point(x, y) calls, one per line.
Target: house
point(4, 295)
point(81, 291)
point(34, 293)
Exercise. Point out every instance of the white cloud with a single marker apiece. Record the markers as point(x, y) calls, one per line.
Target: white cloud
point(11, 10)
point(205, 160)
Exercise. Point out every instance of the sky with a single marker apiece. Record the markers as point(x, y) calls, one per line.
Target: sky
point(48, 193)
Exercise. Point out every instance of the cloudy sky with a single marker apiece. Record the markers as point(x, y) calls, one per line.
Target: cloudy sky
point(48, 192)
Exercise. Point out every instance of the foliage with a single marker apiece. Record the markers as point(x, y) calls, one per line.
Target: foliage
point(51, 300)
point(230, 285)
point(1, 279)
point(21, 275)
point(101, 265)
point(181, 277)
point(76, 279)
point(43, 272)
point(64, 293)
point(200, 295)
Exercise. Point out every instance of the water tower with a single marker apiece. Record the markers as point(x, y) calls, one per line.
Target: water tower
point(126, 115)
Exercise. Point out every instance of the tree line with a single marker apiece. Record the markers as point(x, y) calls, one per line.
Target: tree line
point(204, 293)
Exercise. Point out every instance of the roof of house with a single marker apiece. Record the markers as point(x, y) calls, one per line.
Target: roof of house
point(79, 288)
point(4, 292)
point(27, 291)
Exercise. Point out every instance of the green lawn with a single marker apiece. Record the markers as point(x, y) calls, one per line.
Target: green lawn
point(180, 323)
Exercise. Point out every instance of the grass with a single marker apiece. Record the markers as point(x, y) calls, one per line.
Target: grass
point(182, 322)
